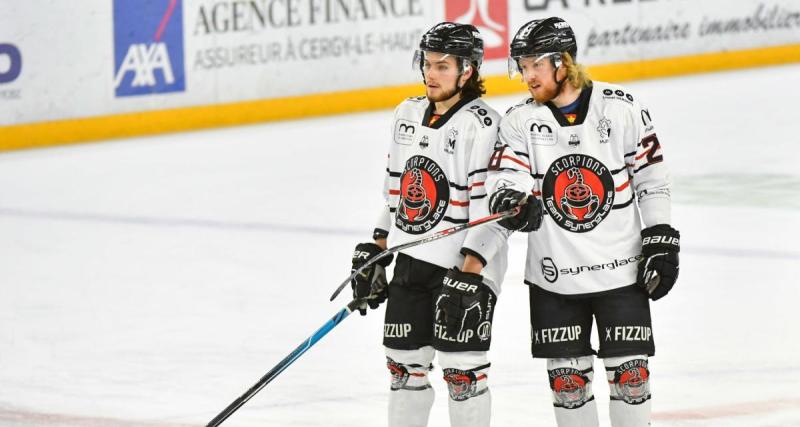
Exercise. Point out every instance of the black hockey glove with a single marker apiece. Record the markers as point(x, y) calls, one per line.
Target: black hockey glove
point(658, 268)
point(371, 283)
point(529, 217)
point(463, 301)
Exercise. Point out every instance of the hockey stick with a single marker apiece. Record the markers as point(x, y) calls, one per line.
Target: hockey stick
point(436, 236)
point(288, 360)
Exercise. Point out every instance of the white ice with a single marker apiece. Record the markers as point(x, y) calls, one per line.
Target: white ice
point(151, 281)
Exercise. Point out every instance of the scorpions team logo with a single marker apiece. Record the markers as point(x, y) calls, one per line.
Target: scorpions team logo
point(631, 381)
point(569, 387)
point(424, 196)
point(578, 192)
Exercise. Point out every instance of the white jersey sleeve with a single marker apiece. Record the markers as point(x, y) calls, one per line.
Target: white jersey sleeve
point(645, 162)
point(486, 240)
point(510, 165)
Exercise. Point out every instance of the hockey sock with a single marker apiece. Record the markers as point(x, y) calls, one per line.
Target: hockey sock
point(629, 381)
point(411, 395)
point(466, 375)
point(571, 384)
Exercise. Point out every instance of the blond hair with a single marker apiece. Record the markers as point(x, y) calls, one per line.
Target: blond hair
point(576, 74)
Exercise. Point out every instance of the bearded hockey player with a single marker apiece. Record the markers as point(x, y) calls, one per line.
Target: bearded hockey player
point(590, 151)
point(443, 294)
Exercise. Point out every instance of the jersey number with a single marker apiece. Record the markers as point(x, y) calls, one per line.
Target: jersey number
point(651, 153)
point(497, 157)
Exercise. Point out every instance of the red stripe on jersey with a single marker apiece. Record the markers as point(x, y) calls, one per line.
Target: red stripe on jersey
point(624, 186)
point(394, 192)
point(643, 154)
point(536, 193)
point(459, 203)
point(519, 162)
point(476, 184)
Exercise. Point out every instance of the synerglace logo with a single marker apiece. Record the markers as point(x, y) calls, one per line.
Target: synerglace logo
point(148, 47)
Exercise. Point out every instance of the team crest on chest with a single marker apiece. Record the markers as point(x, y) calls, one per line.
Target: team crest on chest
point(578, 192)
point(450, 144)
point(604, 128)
point(424, 196)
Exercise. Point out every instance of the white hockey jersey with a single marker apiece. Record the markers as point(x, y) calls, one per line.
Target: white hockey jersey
point(589, 175)
point(435, 179)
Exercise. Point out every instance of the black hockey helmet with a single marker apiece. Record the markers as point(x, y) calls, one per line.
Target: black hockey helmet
point(461, 40)
point(542, 37)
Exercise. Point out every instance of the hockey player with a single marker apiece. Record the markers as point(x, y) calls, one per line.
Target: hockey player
point(442, 295)
point(606, 242)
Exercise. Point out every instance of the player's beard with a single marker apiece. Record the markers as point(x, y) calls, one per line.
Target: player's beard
point(545, 94)
point(443, 96)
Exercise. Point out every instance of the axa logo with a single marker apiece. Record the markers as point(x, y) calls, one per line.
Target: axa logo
point(148, 47)
point(12, 58)
point(490, 17)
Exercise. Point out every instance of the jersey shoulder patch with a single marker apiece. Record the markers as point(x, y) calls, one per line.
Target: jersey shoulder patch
point(525, 102)
point(414, 106)
point(483, 113)
point(614, 93)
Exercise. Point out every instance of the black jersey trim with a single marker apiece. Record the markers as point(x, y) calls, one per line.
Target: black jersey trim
point(616, 171)
point(458, 187)
point(379, 233)
point(476, 171)
point(447, 115)
point(393, 174)
point(576, 296)
point(467, 251)
point(477, 197)
point(630, 154)
point(646, 165)
point(392, 210)
point(537, 175)
point(580, 114)
point(523, 154)
point(455, 220)
point(624, 205)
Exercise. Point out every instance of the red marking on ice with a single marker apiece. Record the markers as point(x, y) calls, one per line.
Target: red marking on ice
point(165, 19)
point(725, 411)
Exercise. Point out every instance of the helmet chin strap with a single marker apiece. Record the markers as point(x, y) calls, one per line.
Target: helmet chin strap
point(555, 78)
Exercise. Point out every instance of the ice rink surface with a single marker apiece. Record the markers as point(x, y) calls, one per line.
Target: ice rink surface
point(149, 282)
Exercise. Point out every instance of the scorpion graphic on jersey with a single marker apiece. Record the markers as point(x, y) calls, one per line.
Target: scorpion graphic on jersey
point(578, 195)
point(415, 199)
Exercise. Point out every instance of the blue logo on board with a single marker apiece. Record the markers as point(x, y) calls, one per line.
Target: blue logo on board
point(13, 60)
point(148, 47)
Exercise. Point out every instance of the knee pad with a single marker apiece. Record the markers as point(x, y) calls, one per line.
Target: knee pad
point(409, 368)
point(571, 381)
point(628, 378)
point(466, 373)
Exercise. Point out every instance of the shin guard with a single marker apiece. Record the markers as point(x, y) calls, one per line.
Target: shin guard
point(466, 374)
point(629, 381)
point(571, 384)
point(411, 396)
